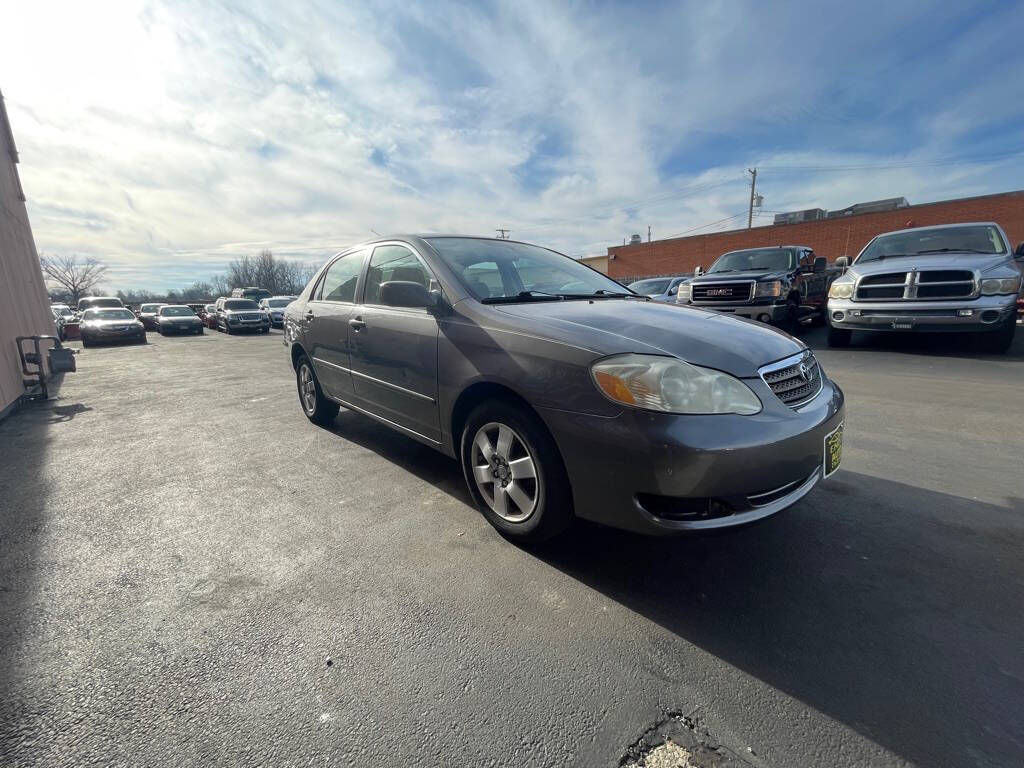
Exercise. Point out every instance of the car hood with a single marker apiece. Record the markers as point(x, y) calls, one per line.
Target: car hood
point(753, 274)
point(612, 326)
point(970, 261)
point(188, 319)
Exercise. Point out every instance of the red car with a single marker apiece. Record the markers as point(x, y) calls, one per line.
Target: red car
point(208, 314)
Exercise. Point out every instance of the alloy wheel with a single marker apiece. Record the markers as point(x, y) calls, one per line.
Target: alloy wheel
point(307, 388)
point(504, 472)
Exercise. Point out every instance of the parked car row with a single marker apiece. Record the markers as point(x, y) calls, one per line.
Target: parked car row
point(962, 278)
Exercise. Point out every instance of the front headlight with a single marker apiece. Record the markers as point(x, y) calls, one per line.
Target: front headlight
point(993, 286)
point(672, 386)
point(771, 288)
point(841, 289)
point(684, 292)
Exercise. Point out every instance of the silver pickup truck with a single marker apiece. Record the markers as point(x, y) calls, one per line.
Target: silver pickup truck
point(955, 277)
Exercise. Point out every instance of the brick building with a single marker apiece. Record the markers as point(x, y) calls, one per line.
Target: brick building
point(831, 237)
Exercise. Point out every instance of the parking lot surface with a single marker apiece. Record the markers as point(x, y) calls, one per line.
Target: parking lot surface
point(193, 574)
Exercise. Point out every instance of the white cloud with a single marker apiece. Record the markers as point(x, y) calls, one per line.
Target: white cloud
point(167, 138)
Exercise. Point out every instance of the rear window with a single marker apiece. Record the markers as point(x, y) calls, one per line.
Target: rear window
point(240, 304)
point(90, 303)
point(108, 314)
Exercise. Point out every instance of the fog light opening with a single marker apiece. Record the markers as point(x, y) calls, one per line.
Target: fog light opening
point(989, 316)
point(838, 316)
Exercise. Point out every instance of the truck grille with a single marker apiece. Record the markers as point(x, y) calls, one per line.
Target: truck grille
point(917, 285)
point(794, 380)
point(722, 293)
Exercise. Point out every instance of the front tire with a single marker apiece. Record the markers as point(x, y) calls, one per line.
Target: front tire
point(839, 337)
point(515, 472)
point(998, 342)
point(315, 405)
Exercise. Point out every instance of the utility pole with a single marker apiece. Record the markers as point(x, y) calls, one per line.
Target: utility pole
point(753, 186)
point(503, 233)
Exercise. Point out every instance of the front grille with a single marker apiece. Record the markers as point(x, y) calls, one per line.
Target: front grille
point(722, 293)
point(890, 285)
point(794, 380)
point(916, 286)
point(248, 317)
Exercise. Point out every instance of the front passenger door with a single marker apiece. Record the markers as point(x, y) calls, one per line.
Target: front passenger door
point(394, 349)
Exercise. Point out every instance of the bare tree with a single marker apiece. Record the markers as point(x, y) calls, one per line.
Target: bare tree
point(265, 270)
point(79, 277)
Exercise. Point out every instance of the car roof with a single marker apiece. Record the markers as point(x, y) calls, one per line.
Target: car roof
point(768, 247)
point(175, 306)
point(942, 226)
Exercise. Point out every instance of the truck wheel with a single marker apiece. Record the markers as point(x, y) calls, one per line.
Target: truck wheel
point(792, 320)
point(820, 319)
point(839, 337)
point(999, 341)
point(315, 405)
point(515, 473)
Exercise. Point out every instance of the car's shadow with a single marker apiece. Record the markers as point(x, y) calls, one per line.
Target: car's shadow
point(892, 609)
point(962, 345)
point(895, 610)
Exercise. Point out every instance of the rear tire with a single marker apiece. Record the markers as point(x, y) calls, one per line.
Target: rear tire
point(515, 473)
point(839, 337)
point(820, 319)
point(315, 405)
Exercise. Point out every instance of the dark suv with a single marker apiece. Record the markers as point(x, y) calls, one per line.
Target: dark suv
point(780, 285)
point(234, 315)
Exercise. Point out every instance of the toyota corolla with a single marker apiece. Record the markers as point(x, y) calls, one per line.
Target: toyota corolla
point(562, 394)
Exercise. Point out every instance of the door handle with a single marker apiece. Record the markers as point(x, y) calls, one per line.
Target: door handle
point(356, 324)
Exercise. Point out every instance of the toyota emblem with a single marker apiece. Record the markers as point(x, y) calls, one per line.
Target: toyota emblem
point(805, 371)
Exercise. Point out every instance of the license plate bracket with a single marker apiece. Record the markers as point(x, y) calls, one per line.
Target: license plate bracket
point(833, 454)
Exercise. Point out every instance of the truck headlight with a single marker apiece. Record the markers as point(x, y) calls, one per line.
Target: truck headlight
point(771, 288)
point(841, 289)
point(672, 386)
point(684, 293)
point(993, 286)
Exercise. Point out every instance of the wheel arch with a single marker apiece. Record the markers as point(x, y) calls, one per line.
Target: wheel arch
point(296, 352)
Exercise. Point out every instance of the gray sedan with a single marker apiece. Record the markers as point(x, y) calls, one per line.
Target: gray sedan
point(664, 289)
point(581, 400)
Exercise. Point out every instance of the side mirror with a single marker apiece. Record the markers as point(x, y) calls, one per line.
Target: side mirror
point(673, 290)
point(1019, 253)
point(405, 293)
point(843, 262)
point(698, 271)
point(820, 264)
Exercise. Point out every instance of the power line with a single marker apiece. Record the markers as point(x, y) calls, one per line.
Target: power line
point(951, 160)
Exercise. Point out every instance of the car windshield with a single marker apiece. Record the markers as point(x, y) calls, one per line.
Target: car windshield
point(210, 307)
point(494, 269)
point(150, 307)
point(279, 302)
point(102, 303)
point(978, 238)
point(108, 314)
point(176, 312)
point(757, 259)
point(240, 304)
point(651, 287)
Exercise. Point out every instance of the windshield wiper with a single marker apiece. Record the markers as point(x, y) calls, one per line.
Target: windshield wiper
point(956, 250)
point(601, 293)
point(523, 296)
point(883, 256)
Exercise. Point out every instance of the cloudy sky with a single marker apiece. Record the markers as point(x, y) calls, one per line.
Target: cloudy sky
point(167, 137)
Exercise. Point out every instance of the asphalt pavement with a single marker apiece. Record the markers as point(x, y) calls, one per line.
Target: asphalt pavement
point(193, 574)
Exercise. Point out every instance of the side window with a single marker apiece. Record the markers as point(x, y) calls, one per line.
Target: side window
point(339, 283)
point(393, 262)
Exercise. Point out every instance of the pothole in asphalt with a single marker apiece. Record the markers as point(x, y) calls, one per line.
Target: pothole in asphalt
point(680, 741)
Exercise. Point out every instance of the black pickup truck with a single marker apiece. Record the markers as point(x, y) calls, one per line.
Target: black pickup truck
point(781, 285)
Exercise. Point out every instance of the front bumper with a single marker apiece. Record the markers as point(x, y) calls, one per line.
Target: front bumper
point(180, 327)
point(647, 472)
point(986, 314)
point(769, 312)
point(248, 325)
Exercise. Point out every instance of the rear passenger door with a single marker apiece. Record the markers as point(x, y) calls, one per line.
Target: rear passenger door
point(325, 321)
point(394, 349)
